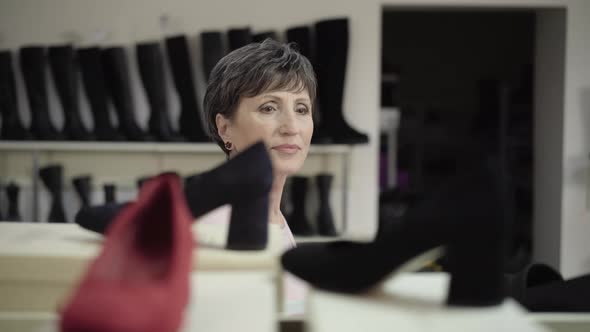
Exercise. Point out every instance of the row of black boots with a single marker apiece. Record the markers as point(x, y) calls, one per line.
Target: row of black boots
point(105, 77)
point(52, 178)
point(298, 221)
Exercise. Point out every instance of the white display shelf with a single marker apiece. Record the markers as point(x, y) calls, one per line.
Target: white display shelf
point(141, 147)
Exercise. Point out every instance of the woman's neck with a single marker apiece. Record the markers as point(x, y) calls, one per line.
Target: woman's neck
point(276, 192)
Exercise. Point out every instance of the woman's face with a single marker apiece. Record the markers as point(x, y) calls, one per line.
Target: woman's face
point(282, 119)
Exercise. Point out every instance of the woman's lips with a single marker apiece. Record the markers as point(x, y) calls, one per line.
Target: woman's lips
point(287, 148)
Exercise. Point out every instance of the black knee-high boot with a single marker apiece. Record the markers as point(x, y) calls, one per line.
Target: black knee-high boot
point(331, 54)
point(212, 50)
point(115, 66)
point(12, 192)
point(325, 221)
point(52, 178)
point(65, 75)
point(297, 220)
point(301, 36)
point(149, 61)
point(33, 63)
point(12, 126)
point(95, 87)
point(189, 123)
point(239, 37)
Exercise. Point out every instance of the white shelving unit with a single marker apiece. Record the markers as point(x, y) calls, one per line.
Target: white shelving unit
point(103, 159)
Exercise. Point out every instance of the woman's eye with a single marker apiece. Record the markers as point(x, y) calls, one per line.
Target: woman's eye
point(302, 110)
point(267, 109)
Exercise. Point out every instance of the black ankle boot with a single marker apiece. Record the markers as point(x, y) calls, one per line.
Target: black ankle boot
point(243, 181)
point(33, 63)
point(149, 61)
point(12, 191)
point(212, 50)
point(110, 193)
point(262, 36)
point(83, 187)
point(239, 37)
point(65, 76)
point(12, 125)
point(52, 178)
point(464, 216)
point(297, 220)
point(116, 71)
point(189, 122)
point(325, 221)
point(331, 56)
point(95, 87)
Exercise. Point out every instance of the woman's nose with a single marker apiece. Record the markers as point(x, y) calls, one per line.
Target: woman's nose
point(288, 123)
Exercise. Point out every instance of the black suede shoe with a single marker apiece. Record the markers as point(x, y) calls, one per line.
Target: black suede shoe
point(244, 182)
point(533, 275)
point(463, 217)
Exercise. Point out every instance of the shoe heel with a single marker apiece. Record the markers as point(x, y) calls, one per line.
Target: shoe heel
point(248, 227)
point(476, 267)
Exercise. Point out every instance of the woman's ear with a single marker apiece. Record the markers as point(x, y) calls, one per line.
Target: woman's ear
point(223, 127)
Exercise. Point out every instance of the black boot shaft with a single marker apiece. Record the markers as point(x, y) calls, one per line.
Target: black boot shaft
point(297, 220)
point(302, 37)
point(12, 126)
point(83, 187)
point(65, 75)
point(212, 50)
point(33, 66)
point(151, 70)
point(262, 36)
point(95, 87)
point(239, 37)
point(325, 221)
point(12, 193)
point(110, 193)
point(52, 177)
point(189, 123)
point(116, 69)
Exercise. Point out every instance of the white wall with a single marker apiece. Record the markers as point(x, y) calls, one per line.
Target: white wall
point(27, 21)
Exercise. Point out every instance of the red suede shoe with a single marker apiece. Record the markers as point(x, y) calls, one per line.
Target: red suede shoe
point(140, 280)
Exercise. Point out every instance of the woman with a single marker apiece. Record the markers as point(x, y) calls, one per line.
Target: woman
point(264, 91)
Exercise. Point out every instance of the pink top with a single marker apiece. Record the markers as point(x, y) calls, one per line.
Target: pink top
point(295, 289)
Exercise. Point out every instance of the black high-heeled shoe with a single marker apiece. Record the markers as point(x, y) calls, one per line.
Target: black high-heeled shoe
point(244, 182)
point(463, 218)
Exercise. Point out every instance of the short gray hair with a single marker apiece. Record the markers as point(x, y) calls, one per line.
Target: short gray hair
point(251, 70)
